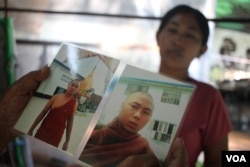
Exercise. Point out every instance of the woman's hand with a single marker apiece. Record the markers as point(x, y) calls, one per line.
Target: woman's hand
point(179, 157)
point(14, 101)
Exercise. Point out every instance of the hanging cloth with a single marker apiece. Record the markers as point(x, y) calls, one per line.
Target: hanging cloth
point(6, 54)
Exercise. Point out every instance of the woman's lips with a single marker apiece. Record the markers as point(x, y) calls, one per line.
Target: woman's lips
point(174, 53)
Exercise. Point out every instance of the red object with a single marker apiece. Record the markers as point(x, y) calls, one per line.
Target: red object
point(53, 125)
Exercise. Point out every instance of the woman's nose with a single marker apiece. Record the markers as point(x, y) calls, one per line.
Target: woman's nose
point(178, 40)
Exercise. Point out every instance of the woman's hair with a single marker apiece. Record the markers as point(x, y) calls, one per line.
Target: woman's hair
point(200, 18)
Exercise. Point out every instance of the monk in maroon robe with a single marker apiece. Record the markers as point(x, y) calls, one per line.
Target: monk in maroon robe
point(109, 145)
point(57, 115)
point(53, 126)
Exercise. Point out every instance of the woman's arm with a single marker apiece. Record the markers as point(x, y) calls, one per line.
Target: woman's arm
point(213, 153)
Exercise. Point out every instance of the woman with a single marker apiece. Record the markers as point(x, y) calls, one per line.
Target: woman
point(181, 37)
point(57, 114)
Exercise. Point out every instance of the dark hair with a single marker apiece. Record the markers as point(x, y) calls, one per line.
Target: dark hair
point(201, 19)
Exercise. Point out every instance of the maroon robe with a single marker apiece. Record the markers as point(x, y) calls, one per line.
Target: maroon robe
point(53, 125)
point(110, 145)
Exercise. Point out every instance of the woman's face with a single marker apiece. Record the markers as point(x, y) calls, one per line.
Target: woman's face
point(179, 42)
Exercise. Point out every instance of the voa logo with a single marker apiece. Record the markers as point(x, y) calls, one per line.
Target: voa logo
point(236, 158)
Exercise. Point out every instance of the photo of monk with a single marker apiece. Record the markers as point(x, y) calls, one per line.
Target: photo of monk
point(57, 115)
point(64, 104)
point(137, 119)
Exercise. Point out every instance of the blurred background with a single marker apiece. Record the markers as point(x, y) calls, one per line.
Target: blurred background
point(32, 30)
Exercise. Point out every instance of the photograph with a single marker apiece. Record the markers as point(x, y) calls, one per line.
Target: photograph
point(64, 104)
point(142, 116)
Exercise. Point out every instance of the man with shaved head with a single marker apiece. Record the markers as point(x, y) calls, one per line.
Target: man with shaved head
point(111, 144)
